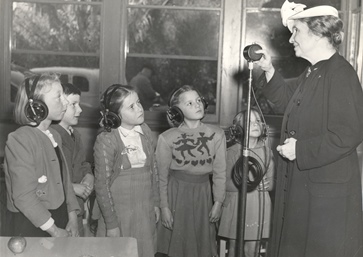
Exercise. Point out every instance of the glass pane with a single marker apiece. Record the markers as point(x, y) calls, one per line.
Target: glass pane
point(169, 74)
point(27, 61)
point(56, 27)
point(186, 3)
point(70, 68)
point(279, 3)
point(84, 1)
point(172, 32)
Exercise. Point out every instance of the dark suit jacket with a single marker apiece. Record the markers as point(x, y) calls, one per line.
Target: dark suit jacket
point(30, 159)
point(75, 156)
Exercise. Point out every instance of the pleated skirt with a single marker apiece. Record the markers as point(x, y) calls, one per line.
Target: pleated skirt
point(133, 201)
point(190, 200)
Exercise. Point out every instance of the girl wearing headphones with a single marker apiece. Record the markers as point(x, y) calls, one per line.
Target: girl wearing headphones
point(261, 178)
point(187, 156)
point(40, 197)
point(125, 178)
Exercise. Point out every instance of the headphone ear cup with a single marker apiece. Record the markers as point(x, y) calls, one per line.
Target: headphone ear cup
point(238, 133)
point(112, 120)
point(36, 110)
point(175, 114)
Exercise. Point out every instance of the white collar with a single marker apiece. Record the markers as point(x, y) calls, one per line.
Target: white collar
point(70, 130)
point(50, 136)
point(125, 132)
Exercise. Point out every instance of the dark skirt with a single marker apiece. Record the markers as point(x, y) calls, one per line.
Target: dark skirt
point(19, 225)
point(321, 220)
point(190, 200)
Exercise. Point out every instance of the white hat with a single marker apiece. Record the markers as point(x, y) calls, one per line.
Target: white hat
point(292, 11)
point(321, 10)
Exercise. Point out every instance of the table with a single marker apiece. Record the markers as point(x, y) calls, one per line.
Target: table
point(74, 247)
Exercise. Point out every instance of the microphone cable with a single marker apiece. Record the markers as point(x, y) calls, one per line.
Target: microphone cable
point(261, 218)
point(254, 168)
point(258, 169)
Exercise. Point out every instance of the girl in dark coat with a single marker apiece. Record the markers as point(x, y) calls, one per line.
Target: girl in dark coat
point(319, 195)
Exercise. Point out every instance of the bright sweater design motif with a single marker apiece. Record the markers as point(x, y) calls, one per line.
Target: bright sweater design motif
point(194, 148)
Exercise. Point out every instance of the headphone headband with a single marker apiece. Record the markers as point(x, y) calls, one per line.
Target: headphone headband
point(110, 119)
point(108, 96)
point(205, 103)
point(30, 92)
point(174, 113)
point(35, 110)
point(172, 96)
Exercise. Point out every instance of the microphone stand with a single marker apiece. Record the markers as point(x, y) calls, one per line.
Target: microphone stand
point(242, 190)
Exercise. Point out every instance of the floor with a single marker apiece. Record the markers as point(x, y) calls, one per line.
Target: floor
point(89, 227)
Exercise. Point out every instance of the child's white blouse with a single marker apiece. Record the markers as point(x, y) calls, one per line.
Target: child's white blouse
point(133, 146)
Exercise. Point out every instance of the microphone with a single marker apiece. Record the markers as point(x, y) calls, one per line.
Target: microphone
point(250, 54)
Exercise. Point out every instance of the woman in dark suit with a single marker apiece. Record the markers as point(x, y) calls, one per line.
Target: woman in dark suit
point(318, 209)
point(40, 197)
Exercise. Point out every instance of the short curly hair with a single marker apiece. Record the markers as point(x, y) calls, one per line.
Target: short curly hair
point(327, 26)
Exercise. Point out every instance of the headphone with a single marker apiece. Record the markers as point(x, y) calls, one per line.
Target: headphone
point(110, 119)
point(35, 110)
point(174, 113)
point(234, 134)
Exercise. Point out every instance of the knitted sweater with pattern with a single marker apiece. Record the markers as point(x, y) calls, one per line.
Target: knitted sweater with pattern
point(195, 151)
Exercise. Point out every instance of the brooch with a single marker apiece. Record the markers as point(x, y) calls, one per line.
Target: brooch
point(42, 179)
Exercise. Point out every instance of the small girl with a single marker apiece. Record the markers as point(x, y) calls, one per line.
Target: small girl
point(258, 203)
point(186, 157)
point(40, 197)
point(125, 179)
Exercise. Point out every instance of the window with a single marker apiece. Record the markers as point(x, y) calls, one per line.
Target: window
point(180, 41)
point(61, 37)
point(96, 43)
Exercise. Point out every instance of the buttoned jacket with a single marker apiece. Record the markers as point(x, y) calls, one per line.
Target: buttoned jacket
point(75, 156)
point(32, 174)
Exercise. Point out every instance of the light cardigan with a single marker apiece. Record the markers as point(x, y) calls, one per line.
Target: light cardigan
point(33, 181)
